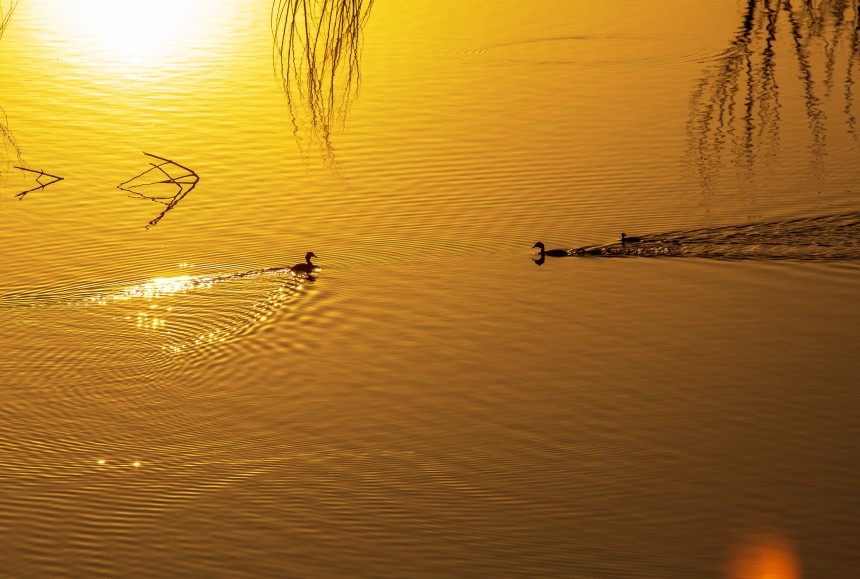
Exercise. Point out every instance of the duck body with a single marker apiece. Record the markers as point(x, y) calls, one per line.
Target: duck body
point(306, 267)
point(550, 252)
point(628, 239)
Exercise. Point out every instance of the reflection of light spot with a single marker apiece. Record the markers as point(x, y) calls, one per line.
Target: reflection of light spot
point(102, 461)
point(764, 557)
point(136, 464)
point(130, 31)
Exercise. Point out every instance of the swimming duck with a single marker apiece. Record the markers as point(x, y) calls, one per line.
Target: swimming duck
point(626, 239)
point(551, 252)
point(306, 267)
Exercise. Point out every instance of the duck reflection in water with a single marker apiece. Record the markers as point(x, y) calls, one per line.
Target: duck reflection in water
point(307, 267)
point(548, 252)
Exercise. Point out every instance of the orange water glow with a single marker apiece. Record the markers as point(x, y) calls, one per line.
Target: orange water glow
point(765, 557)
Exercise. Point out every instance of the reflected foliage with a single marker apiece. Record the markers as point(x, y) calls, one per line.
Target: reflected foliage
point(165, 182)
point(317, 57)
point(736, 108)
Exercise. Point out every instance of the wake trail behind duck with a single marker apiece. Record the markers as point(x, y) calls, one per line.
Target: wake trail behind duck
point(825, 238)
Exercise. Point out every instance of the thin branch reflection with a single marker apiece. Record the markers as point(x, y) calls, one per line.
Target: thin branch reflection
point(6, 15)
point(41, 184)
point(184, 182)
point(317, 58)
point(8, 140)
point(737, 109)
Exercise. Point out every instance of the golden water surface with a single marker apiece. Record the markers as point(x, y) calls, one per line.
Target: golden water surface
point(432, 402)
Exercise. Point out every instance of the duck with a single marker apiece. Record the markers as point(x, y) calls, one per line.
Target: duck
point(306, 267)
point(627, 239)
point(552, 252)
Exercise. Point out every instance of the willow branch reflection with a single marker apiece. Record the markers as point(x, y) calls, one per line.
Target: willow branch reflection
point(6, 15)
point(736, 108)
point(317, 58)
point(5, 134)
point(9, 144)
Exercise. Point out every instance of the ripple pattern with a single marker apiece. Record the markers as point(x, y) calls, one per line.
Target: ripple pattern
point(826, 238)
point(598, 51)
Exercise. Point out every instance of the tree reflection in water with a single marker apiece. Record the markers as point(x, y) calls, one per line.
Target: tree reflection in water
point(737, 110)
point(317, 57)
point(6, 14)
point(9, 145)
point(5, 134)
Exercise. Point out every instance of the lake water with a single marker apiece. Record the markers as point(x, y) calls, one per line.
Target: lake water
point(176, 402)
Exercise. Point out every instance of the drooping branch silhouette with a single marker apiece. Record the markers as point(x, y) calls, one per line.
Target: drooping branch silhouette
point(317, 58)
point(6, 15)
point(166, 175)
point(8, 141)
point(5, 133)
point(737, 110)
point(40, 185)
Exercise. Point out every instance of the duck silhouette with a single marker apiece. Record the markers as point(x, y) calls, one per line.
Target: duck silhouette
point(627, 239)
point(307, 267)
point(551, 252)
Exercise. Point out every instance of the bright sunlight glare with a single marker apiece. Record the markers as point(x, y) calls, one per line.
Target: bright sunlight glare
point(130, 31)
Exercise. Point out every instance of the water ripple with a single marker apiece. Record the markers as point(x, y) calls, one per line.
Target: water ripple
point(598, 51)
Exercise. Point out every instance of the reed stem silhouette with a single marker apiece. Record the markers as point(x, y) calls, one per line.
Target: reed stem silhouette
point(317, 58)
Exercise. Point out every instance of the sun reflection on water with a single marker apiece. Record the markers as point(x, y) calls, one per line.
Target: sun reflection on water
point(131, 32)
point(768, 556)
point(164, 286)
point(180, 315)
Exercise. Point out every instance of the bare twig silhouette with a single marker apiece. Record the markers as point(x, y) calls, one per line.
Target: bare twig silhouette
point(41, 185)
point(317, 57)
point(184, 182)
point(736, 107)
